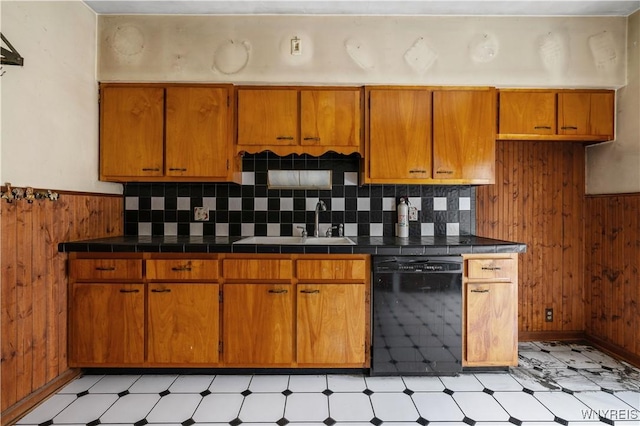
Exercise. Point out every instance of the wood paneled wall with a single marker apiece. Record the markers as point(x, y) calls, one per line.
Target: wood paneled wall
point(612, 277)
point(33, 291)
point(538, 199)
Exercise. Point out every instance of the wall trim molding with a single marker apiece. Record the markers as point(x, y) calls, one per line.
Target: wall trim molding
point(614, 350)
point(567, 336)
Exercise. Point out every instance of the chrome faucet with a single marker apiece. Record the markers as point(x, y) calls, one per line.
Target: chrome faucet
point(321, 206)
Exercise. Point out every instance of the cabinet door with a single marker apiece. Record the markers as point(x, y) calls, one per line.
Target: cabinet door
point(131, 131)
point(330, 117)
point(583, 113)
point(258, 324)
point(183, 323)
point(267, 117)
point(106, 325)
point(197, 132)
point(464, 134)
point(527, 113)
point(491, 324)
point(331, 324)
point(399, 134)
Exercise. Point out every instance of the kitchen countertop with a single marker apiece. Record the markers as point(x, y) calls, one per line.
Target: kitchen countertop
point(441, 245)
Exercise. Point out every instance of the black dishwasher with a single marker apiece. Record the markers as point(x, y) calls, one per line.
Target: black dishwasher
point(416, 315)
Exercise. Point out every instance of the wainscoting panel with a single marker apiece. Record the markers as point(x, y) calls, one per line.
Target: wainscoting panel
point(538, 199)
point(33, 291)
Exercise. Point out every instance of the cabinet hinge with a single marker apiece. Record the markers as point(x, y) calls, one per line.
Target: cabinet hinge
point(219, 347)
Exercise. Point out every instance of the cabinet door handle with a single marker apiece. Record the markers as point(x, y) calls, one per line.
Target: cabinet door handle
point(129, 291)
point(150, 169)
point(177, 169)
point(278, 291)
point(105, 268)
point(181, 268)
point(569, 128)
point(162, 290)
point(445, 172)
point(285, 138)
point(542, 127)
point(417, 171)
point(310, 291)
point(315, 138)
point(490, 268)
point(480, 291)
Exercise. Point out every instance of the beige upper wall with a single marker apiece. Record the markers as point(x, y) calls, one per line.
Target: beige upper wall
point(614, 167)
point(529, 52)
point(49, 115)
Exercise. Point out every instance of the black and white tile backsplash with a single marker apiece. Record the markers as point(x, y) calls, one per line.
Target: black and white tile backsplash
point(253, 209)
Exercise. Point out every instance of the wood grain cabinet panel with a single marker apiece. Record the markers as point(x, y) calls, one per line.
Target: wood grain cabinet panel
point(330, 324)
point(586, 113)
point(328, 269)
point(106, 325)
point(131, 132)
point(527, 113)
point(399, 135)
point(490, 269)
point(330, 117)
point(183, 323)
point(182, 269)
point(267, 117)
point(258, 269)
point(198, 142)
point(464, 138)
point(258, 325)
point(105, 269)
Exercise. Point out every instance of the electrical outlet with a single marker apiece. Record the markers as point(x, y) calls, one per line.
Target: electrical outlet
point(296, 46)
point(201, 214)
point(413, 214)
point(548, 314)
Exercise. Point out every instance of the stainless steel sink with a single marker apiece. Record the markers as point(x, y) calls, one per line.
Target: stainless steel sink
point(319, 241)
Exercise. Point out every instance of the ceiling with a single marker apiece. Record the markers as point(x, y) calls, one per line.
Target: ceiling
point(368, 7)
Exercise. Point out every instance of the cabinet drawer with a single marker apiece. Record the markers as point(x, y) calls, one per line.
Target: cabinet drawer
point(490, 269)
point(106, 269)
point(254, 269)
point(182, 269)
point(326, 269)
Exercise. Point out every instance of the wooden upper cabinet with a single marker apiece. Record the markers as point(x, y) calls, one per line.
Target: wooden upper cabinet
point(267, 117)
point(560, 115)
point(527, 113)
point(464, 135)
point(586, 113)
point(198, 132)
point(299, 120)
point(131, 132)
point(399, 135)
point(330, 117)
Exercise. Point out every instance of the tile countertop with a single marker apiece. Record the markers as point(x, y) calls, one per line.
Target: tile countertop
point(441, 245)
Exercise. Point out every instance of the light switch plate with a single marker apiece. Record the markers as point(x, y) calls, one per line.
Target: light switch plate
point(200, 214)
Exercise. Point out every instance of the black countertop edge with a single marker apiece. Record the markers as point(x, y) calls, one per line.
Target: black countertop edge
point(414, 246)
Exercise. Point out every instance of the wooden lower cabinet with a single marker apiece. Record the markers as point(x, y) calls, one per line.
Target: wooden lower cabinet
point(330, 323)
point(106, 325)
point(258, 325)
point(490, 310)
point(183, 323)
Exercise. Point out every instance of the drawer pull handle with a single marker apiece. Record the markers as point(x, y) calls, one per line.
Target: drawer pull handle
point(445, 172)
point(285, 138)
point(542, 127)
point(181, 268)
point(491, 268)
point(316, 138)
point(278, 291)
point(480, 291)
point(569, 128)
point(162, 290)
point(177, 169)
point(129, 291)
point(150, 169)
point(417, 171)
point(105, 268)
point(310, 291)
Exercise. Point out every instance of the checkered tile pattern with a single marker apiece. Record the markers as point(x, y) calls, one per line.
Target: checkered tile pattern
point(253, 209)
